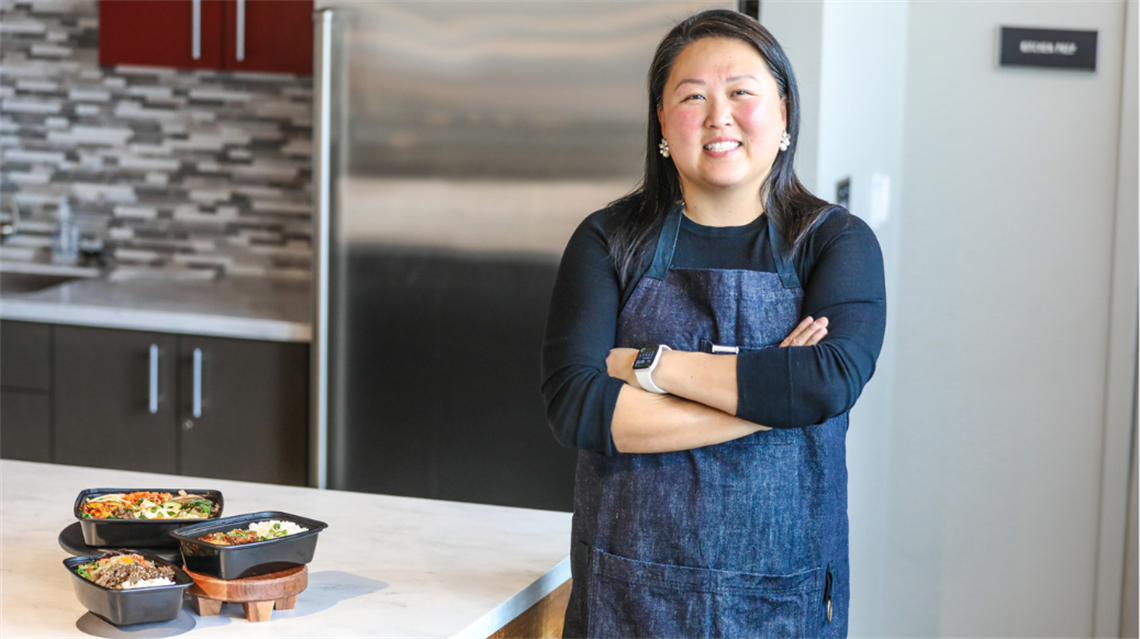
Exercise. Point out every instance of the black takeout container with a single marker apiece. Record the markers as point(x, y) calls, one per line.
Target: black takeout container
point(137, 533)
point(137, 605)
point(247, 560)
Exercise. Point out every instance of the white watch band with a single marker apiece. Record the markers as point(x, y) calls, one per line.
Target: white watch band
point(645, 375)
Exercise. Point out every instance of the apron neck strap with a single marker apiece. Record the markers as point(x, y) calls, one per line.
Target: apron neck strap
point(666, 244)
point(783, 258)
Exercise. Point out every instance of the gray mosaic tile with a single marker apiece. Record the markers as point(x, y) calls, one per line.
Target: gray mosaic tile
point(88, 95)
point(25, 27)
point(174, 168)
point(23, 155)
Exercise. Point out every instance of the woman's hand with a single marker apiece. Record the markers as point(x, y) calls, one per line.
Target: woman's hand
point(619, 364)
point(809, 332)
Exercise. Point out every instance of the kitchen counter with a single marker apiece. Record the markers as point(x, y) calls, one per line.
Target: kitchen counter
point(240, 307)
point(386, 566)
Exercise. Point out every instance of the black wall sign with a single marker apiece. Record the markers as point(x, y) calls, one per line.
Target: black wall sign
point(1053, 48)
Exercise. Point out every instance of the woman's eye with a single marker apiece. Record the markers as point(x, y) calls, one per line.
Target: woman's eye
point(695, 96)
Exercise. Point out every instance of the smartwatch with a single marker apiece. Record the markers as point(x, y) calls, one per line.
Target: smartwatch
point(647, 359)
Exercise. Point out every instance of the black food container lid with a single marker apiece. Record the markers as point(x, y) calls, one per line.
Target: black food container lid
point(137, 533)
point(252, 559)
point(136, 605)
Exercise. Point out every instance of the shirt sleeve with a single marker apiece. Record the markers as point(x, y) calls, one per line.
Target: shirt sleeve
point(581, 328)
point(841, 267)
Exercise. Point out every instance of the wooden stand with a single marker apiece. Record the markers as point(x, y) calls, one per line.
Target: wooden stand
point(259, 596)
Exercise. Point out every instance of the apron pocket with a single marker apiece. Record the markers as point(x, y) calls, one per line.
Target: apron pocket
point(631, 598)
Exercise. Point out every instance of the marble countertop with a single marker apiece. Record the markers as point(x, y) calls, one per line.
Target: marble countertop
point(241, 307)
point(385, 567)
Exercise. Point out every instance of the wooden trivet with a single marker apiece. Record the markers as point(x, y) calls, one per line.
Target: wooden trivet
point(259, 596)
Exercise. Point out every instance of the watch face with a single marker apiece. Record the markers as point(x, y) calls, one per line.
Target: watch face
point(645, 357)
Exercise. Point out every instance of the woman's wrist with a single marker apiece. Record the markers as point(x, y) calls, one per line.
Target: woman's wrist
point(700, 377)
point(666, 366)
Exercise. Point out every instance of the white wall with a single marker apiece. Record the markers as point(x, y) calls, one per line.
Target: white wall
point(1003, 308)
point(863, 78)
point(1007, 252)
point(798, 28)
point(981, 451)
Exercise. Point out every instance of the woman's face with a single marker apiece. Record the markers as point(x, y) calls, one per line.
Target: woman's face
point(722, 115)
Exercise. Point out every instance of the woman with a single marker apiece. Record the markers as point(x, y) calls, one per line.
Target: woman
point(711, 491)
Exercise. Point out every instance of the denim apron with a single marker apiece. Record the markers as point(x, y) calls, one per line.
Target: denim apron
point(742, 539)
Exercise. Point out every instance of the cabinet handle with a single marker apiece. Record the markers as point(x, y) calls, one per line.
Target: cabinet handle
point(196, 29)
point(240, 30)
point(197, 382)
point(153, 379)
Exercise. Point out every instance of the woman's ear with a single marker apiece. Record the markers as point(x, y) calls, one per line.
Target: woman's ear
point(661, 122)
point(783, 112)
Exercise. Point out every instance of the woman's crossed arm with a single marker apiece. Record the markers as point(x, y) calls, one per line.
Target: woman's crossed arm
point(701, 405)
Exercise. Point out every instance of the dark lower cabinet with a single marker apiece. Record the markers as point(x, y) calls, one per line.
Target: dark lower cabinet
point(115, 399)
point(25, 425)
point(157, 402)
point(244, 410)
point(25, 356)
point(25, 391)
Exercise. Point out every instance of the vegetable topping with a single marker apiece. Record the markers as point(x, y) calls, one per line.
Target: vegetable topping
point(259, 531)
point(148, 505)
point(122, 570)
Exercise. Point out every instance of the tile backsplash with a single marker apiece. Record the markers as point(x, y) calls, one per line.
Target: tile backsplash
point(171, 169)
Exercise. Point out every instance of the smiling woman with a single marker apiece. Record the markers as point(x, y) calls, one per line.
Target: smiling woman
point(722, 118)
point(707, 336)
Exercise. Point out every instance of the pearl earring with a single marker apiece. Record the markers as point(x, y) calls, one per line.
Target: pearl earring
point(785, 141)
point(664, 147)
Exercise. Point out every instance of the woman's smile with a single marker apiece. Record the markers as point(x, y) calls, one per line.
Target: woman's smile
point(722, 147)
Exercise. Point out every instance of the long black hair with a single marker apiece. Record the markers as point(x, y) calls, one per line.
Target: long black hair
point(636, 218)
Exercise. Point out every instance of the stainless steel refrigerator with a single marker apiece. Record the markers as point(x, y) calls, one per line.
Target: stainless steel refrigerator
point(456, 147)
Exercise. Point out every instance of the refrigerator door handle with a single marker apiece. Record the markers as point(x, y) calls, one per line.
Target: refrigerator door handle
point(322, 167)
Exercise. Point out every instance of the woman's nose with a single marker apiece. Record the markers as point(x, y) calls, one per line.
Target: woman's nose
point(719, 114)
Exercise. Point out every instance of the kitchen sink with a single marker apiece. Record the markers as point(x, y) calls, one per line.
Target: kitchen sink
point(17, 282)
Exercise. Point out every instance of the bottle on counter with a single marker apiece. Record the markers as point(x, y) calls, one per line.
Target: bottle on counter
point(65, 238)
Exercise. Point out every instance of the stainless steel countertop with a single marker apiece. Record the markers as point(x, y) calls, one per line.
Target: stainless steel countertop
point(239, 307)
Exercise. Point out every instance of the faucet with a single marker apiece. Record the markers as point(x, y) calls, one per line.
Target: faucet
point(12, 226)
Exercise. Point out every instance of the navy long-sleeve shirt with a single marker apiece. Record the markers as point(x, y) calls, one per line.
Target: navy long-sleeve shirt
point(839, 265)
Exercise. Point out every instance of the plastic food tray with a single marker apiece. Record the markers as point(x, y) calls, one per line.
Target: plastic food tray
point(252, 559)
point(137, 533)
point(136, 605)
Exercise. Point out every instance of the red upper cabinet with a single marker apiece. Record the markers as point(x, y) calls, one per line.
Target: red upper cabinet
point(161, 33)
point(268, 35)
point(229, 35)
